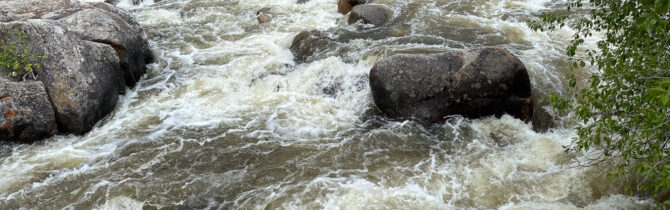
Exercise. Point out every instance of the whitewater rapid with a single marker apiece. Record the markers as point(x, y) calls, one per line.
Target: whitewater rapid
point(225, 119)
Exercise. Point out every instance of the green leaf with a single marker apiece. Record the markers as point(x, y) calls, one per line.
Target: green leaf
point(657, 89)
point(624, 106)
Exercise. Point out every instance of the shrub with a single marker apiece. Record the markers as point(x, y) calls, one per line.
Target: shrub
point(624, 108)
point(17, 58)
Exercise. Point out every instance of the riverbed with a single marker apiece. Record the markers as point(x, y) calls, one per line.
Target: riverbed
point(226, 119)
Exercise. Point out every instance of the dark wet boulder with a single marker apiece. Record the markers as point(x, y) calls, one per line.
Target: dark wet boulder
point(308, 43)
point(369, 14)
point(27, 114)
point(344, 6)
point(474, 83)
point(92, 51)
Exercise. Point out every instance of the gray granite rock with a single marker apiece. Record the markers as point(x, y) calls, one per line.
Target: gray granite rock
point(474, 83)
point(27, 114)
point(369, 14)
point(114, 27)
point(92, 52)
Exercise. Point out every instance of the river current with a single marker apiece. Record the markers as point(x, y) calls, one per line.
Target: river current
point(226, 119)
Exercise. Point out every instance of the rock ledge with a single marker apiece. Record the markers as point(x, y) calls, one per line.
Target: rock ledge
point(93, 51)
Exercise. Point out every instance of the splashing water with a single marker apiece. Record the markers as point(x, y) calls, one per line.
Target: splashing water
point(226, 119)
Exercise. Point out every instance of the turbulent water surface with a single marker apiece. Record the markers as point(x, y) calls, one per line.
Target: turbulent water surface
point(225, 119)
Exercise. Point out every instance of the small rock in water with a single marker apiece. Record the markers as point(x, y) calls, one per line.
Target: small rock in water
point(264, 18)
point(264, 15)
point(344, 6)
point(369, 14)
point(309, 43)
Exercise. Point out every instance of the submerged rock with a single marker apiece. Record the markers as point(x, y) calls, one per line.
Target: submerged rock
point(264, 15)
point(309, 46)
point(474, 83)
point(92, 52)
point(308, 43)
point(369, 14)
point(264, 18)
point(344, 6)
point(263, 10)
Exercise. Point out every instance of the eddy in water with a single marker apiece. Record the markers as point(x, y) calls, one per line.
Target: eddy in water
point(271, 104)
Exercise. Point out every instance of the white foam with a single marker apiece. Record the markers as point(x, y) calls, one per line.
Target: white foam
point(218, 70)
point(121, 202)
point(159, 17)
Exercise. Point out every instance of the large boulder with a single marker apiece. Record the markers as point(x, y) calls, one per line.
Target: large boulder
point(97, 22)
point(344, 6)
point(474, 83)
point(114, 27)
point(92, 51)
point(27, 114)
point(369, 14)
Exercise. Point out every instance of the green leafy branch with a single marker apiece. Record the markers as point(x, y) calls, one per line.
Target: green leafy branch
point(625, 105)
point(17, 58)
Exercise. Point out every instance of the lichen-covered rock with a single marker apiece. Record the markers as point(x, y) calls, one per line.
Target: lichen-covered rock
point(475, 83)
point(98, 22)
point(369, 14)
point(83, 78)
point(92, 52)
point(26, 114)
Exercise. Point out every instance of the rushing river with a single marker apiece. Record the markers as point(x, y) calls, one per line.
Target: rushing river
point(225, 119)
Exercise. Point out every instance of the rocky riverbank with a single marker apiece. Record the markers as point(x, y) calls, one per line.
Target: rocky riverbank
point(88, 53)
